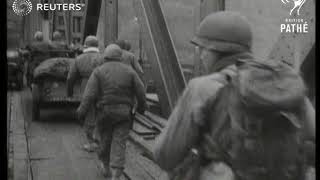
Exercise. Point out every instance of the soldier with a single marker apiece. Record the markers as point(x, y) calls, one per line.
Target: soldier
point(39, 52)
point(128, 57)
point(76, 47)
point(81, 69)
point(38, 44)
point(113, 87)
point(57, 42)
point(205, 139)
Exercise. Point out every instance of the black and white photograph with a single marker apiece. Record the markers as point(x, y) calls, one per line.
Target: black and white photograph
point(161, 89)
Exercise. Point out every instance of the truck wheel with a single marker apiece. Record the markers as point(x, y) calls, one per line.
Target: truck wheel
point(35, 102)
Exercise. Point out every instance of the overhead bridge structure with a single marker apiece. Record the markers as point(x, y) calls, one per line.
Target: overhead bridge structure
point(161, 52)
point(157, 40)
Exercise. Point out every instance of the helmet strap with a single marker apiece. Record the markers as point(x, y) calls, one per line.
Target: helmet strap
point(228, 60)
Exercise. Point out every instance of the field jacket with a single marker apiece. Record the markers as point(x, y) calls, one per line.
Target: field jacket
point(183, 130)
point(113, 83)
point(82, 68)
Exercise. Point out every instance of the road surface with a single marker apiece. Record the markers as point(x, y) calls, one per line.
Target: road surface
point(53, 146)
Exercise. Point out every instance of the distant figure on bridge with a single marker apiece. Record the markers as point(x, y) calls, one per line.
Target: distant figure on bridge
point(81, 70)
point(77, 47)
point(245, 119)
point(112, 87)
point(129, 58)
point(38, 44)
point(38, 49)
point(58, 42)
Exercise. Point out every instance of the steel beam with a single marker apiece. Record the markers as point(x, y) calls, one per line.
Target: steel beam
point(111, 21)
point(67, 26)
point(293, 48)
point(91, 18)
point(161, 53)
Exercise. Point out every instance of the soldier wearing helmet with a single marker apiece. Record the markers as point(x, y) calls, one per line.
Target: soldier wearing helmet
point(81, 70)
point(188, 145)
point(128, 57)
point(57, 41)
point(38, 36)
point(38, 49)
point(38, 43)
point(113, 87)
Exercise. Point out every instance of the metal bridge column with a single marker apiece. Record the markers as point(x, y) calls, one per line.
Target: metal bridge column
point(111, 21)
point(161, 53)
point(91, 18)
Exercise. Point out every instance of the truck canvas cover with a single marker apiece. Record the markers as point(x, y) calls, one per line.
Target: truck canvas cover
point(54, 67)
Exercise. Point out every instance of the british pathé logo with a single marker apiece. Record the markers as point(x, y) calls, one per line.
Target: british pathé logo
point(22, 7)
point(297, 4)
point(294, 24)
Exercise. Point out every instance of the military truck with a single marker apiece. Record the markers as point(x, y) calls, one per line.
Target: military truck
point(15, 66)
point(49, 84)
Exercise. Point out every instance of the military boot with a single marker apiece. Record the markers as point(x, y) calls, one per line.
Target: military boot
point(117, 174)
point(105, 171)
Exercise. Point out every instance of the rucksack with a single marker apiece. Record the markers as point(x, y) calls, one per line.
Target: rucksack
point(256, 122)
point(253, 127)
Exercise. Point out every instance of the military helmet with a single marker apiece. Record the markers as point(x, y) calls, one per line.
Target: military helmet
point(57, 35)
point(127, 45)
point(121, 43)
point(91, 41)
point(112, 51)
point(38, 36)
point(224, 31)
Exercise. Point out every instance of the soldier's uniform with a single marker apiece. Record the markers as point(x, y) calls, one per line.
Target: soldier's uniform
point(129, 58)
point(81, 70)
point(38, 46)
point(222, 32)
point(113, 87)
point(57, 42)
point(59, 45)
point(39, 52)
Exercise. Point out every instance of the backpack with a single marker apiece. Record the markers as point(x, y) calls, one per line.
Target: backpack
point(253, 126)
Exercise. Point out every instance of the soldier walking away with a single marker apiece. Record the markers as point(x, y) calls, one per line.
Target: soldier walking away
point(57, 42)
point(244, 120)
point(38, 44)
point(129, 58)
point(113, 87)
point(38, 50)
point(81, 70)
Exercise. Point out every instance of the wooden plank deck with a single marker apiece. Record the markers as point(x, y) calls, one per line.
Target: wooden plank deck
point(51, 148)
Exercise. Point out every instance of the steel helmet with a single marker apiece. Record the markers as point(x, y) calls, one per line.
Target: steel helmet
point(128, 45)
point(121, 43)
point(38, 36)
point(91, 41)
point(224, 31)
point(112, 51)
point(56, 35)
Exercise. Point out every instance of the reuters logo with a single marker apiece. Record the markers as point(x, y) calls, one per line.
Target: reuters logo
point(22, 7)
point(297, 4)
